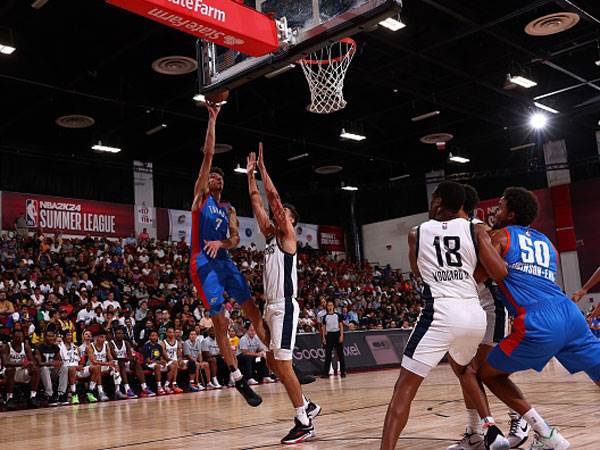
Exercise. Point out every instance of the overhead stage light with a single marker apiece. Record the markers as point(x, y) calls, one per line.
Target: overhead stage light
point(458, 159)
point(392, 24)
point(352, 136)
point(105, 148)
point(546, 108)
point(538, 121)
point(522, 81)
point(349, 188)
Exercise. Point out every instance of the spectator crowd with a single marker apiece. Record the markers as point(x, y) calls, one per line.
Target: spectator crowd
point(75, 313)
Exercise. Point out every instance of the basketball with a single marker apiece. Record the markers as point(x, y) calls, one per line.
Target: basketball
point(217, 97)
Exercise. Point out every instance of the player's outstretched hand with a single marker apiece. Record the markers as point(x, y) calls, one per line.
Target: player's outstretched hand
point(261, 157)
point(213, 110)
point(212, 248)
point(577, 295)
point(251, 163)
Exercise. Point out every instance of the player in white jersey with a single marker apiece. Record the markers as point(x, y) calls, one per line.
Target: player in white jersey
point(174, 353)
point(496, 330)
point(123, 355)
point(99, 357)
point(444, 252)
point(69, 353)
point(18, 362)
point(280, 291)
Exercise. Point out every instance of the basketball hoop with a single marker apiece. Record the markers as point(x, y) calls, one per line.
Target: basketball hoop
point(325, 70)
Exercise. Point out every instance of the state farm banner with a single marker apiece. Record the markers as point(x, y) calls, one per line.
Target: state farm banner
point(308, 235)
point(68, 215)
point(486, 211)
point(223, 22)
point(331, 238)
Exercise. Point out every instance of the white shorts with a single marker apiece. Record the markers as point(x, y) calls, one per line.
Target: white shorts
point(85, 373)
point(282, 319)
point(497, 317)
point(445, 325)
point(22, 375)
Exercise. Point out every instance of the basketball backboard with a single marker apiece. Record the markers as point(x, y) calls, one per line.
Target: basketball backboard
point(304, 26)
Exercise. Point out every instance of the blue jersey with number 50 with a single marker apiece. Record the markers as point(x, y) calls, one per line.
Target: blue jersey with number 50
point(531, 279)
point(210, 222)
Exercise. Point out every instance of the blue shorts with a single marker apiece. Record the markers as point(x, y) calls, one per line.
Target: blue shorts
point(215, 276)
point(551, 330)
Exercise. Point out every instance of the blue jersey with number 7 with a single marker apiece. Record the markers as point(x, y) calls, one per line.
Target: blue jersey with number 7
point(532, 261)
point(210, 222)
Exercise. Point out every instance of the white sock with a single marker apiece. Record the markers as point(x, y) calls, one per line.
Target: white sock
point(127, 387)
point(487, 422)
point(237, 375)
point(144, 386)
point(474, 422)
point(301, 416)
point(305, 400)
point(215, 381)
point(167, 384)
point(33, 394)
point(117, 387)
point(10, 395)
point(100, 389)
point(73, 388)
point(537, 422)
point(159, 383)
point(92, 385)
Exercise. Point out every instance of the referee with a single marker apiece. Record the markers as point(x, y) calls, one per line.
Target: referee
point(332, 335)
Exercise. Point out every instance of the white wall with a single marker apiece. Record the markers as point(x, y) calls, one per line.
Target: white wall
point(390, 232)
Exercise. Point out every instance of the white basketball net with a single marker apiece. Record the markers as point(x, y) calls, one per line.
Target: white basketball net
point(325, 71)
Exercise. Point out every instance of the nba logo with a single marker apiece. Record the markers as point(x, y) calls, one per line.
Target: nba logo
point(31, 212)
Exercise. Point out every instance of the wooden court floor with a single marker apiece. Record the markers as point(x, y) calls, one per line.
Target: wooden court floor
point(353, 412)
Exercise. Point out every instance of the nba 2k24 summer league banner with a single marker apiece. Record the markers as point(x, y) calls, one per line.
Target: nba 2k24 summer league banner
point(544, 222)
point(362, 350)
point(68, 215)
point(331, 238)
point(308, 235)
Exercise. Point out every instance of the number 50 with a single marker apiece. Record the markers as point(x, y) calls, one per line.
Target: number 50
point(534, 251)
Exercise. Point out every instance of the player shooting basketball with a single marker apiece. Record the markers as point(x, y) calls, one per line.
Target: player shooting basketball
point(211, 267)
point(280, 278)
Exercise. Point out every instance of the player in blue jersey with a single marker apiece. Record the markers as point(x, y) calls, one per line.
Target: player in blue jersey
point(547, 324)
point(214, 231)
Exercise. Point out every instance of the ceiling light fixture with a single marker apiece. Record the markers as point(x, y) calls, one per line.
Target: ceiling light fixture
point(458, 159)
point(425, 116)
point(522, 147)
point(156, 129)
point(392, 24)
point(352, 136)
point(522, 81)
point(297, 157)
point(538, 121)
point(349, 188)
point(37, 4)
point(400, 177)
point(241, 170)
point(546, 108)
point(105, 148)
point(199, 98)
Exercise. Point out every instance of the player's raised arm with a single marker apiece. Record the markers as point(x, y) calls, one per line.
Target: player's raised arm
point(201, 186)
point(273, 197)
point(489, 253)
point(264, 223)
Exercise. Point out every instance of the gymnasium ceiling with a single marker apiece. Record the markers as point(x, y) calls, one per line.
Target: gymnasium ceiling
point(87, 57)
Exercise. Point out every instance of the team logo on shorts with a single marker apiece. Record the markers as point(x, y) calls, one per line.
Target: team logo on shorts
point(248, 232)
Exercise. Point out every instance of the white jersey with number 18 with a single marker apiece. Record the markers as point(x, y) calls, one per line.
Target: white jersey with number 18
point(447, 258)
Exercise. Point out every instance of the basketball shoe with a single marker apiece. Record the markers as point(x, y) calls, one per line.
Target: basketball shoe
point(299, 433)
point(470, 441)
point(251, 397)
point(519, 430)
point(312, 410)
point(553, 442)
point(495, 440)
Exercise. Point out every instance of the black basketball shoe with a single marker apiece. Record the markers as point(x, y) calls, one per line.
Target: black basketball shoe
point(495, 440)
point(299, 433)
point(252, 398)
